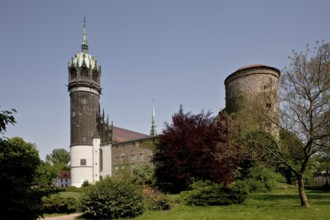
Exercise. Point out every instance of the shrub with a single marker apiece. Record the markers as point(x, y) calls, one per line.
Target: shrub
point(259, 179)
point(112, 198)
point(155, 200)
point(59, 204)
point(205, 193)
point(85, 183)
point(143, 174)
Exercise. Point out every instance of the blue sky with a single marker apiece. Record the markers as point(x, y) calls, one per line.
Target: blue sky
point(173, 51)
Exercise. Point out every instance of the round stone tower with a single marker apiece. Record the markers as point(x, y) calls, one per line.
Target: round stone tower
point(253, 90)
point(85, 90)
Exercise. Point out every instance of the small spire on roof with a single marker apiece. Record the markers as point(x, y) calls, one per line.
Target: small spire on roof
point(84, 45)
point(153, 131)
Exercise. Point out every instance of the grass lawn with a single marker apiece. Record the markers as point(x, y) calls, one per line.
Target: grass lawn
point(76, 195)
point(279, 204)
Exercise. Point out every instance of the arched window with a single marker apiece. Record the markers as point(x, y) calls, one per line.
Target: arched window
point(73, 73)
point(84, 73)
point(101, 159)
point(95, 76)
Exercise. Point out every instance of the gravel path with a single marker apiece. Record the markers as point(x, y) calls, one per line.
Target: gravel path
point(63, 217)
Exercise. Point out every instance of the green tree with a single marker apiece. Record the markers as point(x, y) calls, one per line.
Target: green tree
point(18, 163)
point(305, 114)
point(45, 176)
point(143, 174)
point(305, 101)
point(21, 180)
point(6, 117)
point(60, 158)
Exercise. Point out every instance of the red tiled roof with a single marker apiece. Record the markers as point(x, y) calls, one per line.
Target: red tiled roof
point(122, 135)
point(64, 174)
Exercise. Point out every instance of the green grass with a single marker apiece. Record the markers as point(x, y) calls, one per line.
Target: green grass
point(279, 204)
point(75, 195)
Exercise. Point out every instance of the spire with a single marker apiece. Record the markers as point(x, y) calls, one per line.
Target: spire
point(153, 131)
point(84, 44)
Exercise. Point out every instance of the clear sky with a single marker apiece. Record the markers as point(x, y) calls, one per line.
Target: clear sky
point(173, 51)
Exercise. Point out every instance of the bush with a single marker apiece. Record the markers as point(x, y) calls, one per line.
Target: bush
point(205, 193)
point(85, 184)
point(259, 179)
point(112, 198)
point(155, 200)
point(143, 174)
point(59, 204)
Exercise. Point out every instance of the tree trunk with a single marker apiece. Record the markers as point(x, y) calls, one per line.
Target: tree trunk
point(302, 195)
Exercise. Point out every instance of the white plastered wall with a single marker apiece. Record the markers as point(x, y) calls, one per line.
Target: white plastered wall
point(79, 172)
point(107, 160)
point(96, 159)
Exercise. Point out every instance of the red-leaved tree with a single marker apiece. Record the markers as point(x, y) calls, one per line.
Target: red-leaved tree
point(191, 148)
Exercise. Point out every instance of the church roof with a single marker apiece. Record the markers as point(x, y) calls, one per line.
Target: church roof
point(123, 135)
point(64, 174)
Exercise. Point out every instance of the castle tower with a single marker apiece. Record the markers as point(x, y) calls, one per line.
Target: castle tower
point(84, 88)
point(253, 92)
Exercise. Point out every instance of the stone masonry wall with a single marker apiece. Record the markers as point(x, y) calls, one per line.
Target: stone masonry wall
point(128, 155)
point(254, 88)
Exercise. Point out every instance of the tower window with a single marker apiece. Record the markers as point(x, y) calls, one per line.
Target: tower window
point(84, 101)
point(101, 160)
point(84, 73)
point(83, 162)
point(84, 139)
point(95, 76)
point(73, 73)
